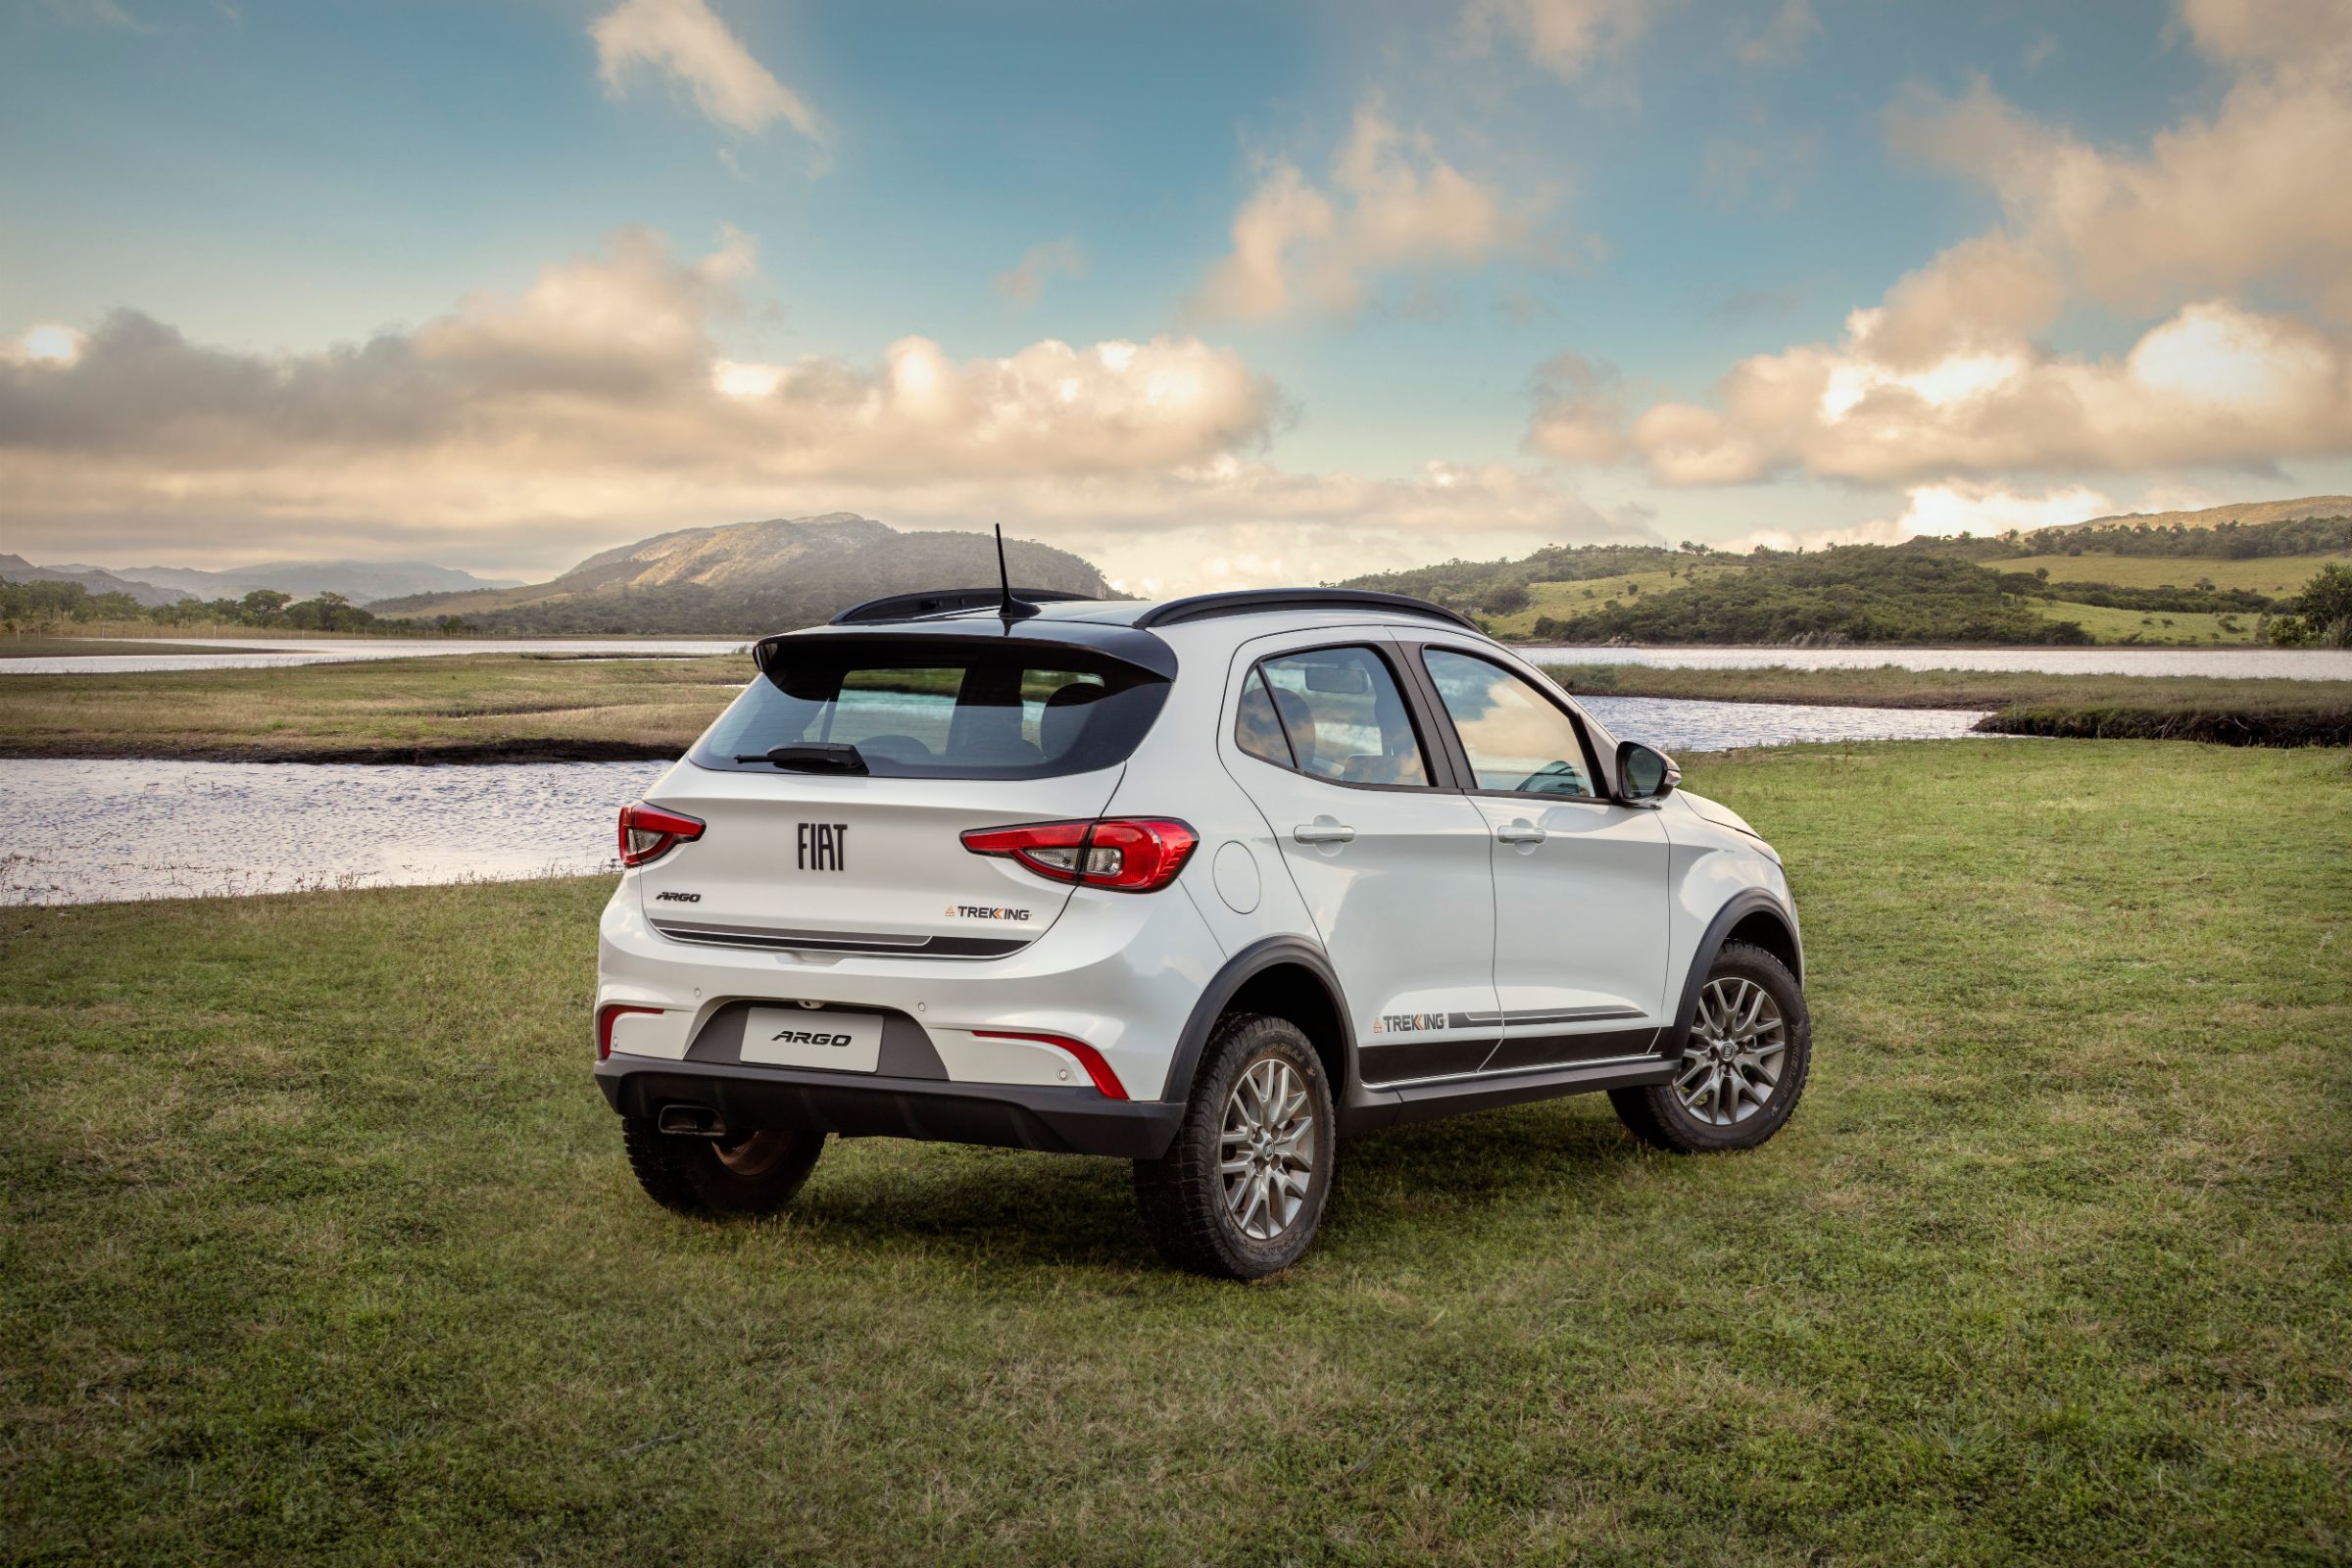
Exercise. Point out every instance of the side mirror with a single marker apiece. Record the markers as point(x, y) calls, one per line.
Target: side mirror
point(1643, 773)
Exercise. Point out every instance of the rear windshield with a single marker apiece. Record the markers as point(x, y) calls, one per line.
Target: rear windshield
point(942, 711)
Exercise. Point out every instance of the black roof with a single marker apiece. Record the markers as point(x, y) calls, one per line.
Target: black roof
point(1269, 601)
point(952, 601)
point(941, 602)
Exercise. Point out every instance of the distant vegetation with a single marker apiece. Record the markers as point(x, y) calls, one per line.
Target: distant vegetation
point(34, 608)
point(1927, 591)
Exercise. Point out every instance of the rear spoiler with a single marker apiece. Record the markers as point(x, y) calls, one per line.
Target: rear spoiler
point(940, 601)
point(1104, 639)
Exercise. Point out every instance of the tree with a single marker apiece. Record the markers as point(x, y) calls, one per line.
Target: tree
point(262, 606)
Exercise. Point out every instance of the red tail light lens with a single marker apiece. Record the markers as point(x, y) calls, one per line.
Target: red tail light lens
point(648, 832)
point(1125, 853)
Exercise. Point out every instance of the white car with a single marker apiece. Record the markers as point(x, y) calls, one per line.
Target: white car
point(1205, 884)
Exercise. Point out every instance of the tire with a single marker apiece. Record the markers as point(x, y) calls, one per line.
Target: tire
point(756, 1173)
point(1183, 1195)
point(1712, 1103)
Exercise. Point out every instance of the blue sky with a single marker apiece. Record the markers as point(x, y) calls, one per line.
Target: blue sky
point(1317, 268)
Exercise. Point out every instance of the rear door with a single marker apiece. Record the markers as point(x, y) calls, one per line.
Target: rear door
point(1580, 881)
point(951, 735)
point(1392, 868)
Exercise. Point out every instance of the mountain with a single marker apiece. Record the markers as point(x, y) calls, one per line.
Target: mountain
point(2246, 513)
point(753, 578)
point(97, 579)
point(362, 583)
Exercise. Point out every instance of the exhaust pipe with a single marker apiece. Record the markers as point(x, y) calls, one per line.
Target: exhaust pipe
point(691, 1121)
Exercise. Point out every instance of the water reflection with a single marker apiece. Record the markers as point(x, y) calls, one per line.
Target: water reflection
point(97, 831)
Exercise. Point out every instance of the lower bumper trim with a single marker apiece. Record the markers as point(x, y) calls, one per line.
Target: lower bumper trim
point(1052, 1119)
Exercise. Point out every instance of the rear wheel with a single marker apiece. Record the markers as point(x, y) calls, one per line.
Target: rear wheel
point(1240, 1193)
point(753, 1173)
point(1742, 1064)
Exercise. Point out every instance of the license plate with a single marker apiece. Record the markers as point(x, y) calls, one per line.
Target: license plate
point(810, 1037)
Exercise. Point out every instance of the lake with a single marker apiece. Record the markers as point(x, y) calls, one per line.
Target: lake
point(97, 831)
point(2288, 664)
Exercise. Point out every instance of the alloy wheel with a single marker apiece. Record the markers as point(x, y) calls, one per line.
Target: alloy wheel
point(1267, 1152)
point(754, 1153)
point(1732, 1061)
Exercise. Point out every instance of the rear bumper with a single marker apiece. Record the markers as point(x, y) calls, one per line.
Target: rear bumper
point(1053, 1119)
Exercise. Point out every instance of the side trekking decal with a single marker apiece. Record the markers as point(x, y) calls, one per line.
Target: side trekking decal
point(1405, 1023)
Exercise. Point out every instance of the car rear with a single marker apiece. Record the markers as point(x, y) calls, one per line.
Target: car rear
point(886, 893)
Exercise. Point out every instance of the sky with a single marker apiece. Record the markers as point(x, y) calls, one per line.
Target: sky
point(1215, 294)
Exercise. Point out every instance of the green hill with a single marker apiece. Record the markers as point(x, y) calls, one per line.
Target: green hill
point(2127, 580)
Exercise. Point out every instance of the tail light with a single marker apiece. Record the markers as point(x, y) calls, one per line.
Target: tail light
point(1125, 853)
point(648, 832)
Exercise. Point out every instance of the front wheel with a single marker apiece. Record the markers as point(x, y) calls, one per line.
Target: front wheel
point(1239, 1191)
point(1743, 1065)
point(755, 1172)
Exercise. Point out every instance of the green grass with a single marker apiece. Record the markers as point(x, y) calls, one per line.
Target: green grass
point(448, 708)
point(2278, 576)
point(1565, 601)
point(317, 1243)
point(2167, 626)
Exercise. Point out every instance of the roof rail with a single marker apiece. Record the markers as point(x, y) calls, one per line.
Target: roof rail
point(941, 602)
point(1267, 601)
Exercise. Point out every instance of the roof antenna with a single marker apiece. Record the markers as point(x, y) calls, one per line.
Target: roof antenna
point(1009, 608)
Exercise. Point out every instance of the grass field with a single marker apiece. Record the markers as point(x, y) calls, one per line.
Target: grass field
point(2171, 627)
point(446, 706)
point(317, 1243)
point(1565, 601)
point(2278, 576)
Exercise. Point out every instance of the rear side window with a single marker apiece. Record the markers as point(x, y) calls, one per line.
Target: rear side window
point(932, 712)
point(1331, 713)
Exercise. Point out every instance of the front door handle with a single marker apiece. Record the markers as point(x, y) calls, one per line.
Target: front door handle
point(1520, 832)
point(1323, 830)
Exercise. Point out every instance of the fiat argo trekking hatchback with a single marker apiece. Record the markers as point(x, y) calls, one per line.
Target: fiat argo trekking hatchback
point(1207, 885)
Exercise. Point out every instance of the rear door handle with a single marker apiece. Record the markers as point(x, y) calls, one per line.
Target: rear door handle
point(1520, 832)
point(1323, 830)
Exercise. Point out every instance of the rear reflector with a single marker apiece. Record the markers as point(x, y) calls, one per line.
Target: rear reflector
point(604, 1024)
point(1125, 853)
point(648, 832)
point(1088, 1057)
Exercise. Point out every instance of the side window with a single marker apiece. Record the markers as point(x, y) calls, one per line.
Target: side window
point(1517, 740)
point(1258, 731)
point(1340, 716)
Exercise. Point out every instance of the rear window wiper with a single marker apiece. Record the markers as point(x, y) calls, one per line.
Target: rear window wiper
point(812, 757)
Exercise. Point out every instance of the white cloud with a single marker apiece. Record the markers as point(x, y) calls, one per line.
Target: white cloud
point(2213, 384)
point(1950, 374)
point(1027, 280)
point(1580, 411)
point(687, 40)
point(1945, 509)
point(1391, 204)
point(597, 405)
point(2249, 195)
point(1566, 37)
